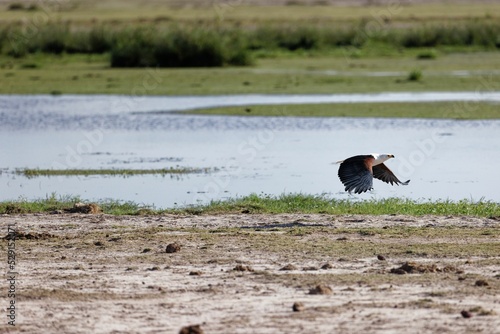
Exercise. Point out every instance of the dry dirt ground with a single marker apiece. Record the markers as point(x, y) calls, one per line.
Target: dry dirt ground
point(82, 273)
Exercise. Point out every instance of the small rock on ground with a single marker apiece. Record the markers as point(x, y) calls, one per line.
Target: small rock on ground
point(173, 248)
point(289, 267)
point(91, 208)
point(481, 282)
point(193, 329)
point(241, 267)
point(327, 266)
point(298, 307)
point(466, 314)
point(321, 290)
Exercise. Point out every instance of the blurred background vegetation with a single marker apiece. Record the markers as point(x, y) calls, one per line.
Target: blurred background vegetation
point(216, 33)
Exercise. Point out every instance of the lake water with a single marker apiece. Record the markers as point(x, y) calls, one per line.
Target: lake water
point(445, 159)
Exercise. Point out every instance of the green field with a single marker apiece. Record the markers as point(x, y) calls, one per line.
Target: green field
point(90, 74)
point(293, 203)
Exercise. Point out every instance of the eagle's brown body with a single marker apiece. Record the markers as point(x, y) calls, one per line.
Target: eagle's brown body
point(357, 173)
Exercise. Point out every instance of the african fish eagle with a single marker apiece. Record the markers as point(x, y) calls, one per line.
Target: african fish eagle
point(357, 173)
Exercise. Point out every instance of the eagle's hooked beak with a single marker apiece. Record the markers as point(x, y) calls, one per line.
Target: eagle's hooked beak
point(391, 156)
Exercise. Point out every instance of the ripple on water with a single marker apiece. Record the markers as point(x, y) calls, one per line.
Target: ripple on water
point(81, 112)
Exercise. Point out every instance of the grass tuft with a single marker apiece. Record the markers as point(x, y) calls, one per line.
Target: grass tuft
point(53, 203)
point(427, 55)
point(415, 75)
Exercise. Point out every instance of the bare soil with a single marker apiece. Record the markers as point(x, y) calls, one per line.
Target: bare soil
point(249, 273)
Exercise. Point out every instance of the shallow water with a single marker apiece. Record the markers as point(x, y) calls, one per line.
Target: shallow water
point(445, 159)
point(13, 107)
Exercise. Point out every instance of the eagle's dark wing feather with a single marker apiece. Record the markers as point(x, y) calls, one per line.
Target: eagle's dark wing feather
point(356, 173)
point(382, 172)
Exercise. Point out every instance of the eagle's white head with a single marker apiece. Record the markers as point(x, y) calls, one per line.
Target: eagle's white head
point(380, 158)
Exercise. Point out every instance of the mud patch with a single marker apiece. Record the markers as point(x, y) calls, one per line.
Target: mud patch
point(18, 235)
point(421, 268)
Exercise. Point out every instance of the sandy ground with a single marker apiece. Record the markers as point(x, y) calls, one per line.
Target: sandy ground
point(105, 274)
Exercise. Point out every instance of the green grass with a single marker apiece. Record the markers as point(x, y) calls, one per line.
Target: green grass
point(53, 203)
point(90, 74)
point(213, 45)
point(298, 203)
point(415, 75)
point(453, 110)
point(428, 54)
point(293, 203)
point(176, 47)
point(36, 172)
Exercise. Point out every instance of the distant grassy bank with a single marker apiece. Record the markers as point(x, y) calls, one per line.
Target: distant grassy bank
point(36, 172)
point(452, 110)
point(294, 203)
point(297, 74)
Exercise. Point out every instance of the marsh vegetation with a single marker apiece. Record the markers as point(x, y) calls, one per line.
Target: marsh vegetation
point(266, 204)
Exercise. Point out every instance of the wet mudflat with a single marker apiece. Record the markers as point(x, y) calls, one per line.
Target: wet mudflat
point(244, 273)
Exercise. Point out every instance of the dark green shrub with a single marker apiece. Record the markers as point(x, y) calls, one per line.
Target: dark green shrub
point(133, 48)
point(479, 34)
point(415, 75)
point(299, 38)
point(236, 48)
point(241, 57)
point(15, 6)
point(14, 42)
point(100, 40)
point(95, 41)
point(180, 48)
point(285, 37)
point(212, 45)
point(52, 38)
point(427, 54)
point(30, 65)
point(343, 37)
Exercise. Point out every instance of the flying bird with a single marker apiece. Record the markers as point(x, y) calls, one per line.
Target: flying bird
point(357, 173)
